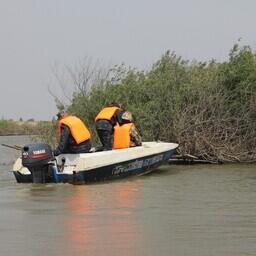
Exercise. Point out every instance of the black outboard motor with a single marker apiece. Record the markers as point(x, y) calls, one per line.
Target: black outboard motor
point(36, 157)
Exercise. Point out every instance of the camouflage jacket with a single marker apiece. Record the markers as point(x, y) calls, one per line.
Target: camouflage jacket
point(135, 137)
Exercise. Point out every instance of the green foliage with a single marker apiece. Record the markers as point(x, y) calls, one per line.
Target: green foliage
point(238, 74)
point(207, 107)
point(48, 132)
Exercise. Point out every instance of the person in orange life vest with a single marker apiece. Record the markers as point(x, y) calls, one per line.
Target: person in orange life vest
point(74, 135)
point(126, 135)
point(105, 120)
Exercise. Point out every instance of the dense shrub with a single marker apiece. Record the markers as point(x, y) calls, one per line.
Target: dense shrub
point(206, 107)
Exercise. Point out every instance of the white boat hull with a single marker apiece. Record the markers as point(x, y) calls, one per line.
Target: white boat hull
point(105, 165)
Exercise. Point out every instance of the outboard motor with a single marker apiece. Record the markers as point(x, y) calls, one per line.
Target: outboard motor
point(36, 157)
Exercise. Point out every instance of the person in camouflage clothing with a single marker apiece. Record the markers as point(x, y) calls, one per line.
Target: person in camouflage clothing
point(135, 138)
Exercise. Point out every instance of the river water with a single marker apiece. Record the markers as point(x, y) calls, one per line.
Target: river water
point(177, 210)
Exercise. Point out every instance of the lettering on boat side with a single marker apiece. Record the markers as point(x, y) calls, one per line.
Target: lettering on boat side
point(136, 164)
point(127, 167)
point(153, 160)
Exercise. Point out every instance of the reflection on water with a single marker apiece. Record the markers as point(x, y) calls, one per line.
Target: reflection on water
point(178, 210)
point(77, 224)
point(96, 216)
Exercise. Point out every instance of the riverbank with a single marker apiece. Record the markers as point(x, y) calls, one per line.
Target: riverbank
point(18, 128)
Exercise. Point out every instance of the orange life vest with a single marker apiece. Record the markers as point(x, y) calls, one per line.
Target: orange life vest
point(106, 113)
point(122, 136)
point(78, 129)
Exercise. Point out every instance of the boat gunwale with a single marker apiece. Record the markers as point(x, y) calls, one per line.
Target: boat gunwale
point(81, 158)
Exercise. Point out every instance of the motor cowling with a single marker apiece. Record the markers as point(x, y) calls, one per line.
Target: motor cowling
point(36, 157)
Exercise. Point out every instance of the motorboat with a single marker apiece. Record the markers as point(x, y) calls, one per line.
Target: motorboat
point(37, 164)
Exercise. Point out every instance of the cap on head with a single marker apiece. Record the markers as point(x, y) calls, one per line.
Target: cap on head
point(115, 104)
point(61, 114)
point(127, 116)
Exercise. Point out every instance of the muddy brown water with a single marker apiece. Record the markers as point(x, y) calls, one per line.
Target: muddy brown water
point(177, 210)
